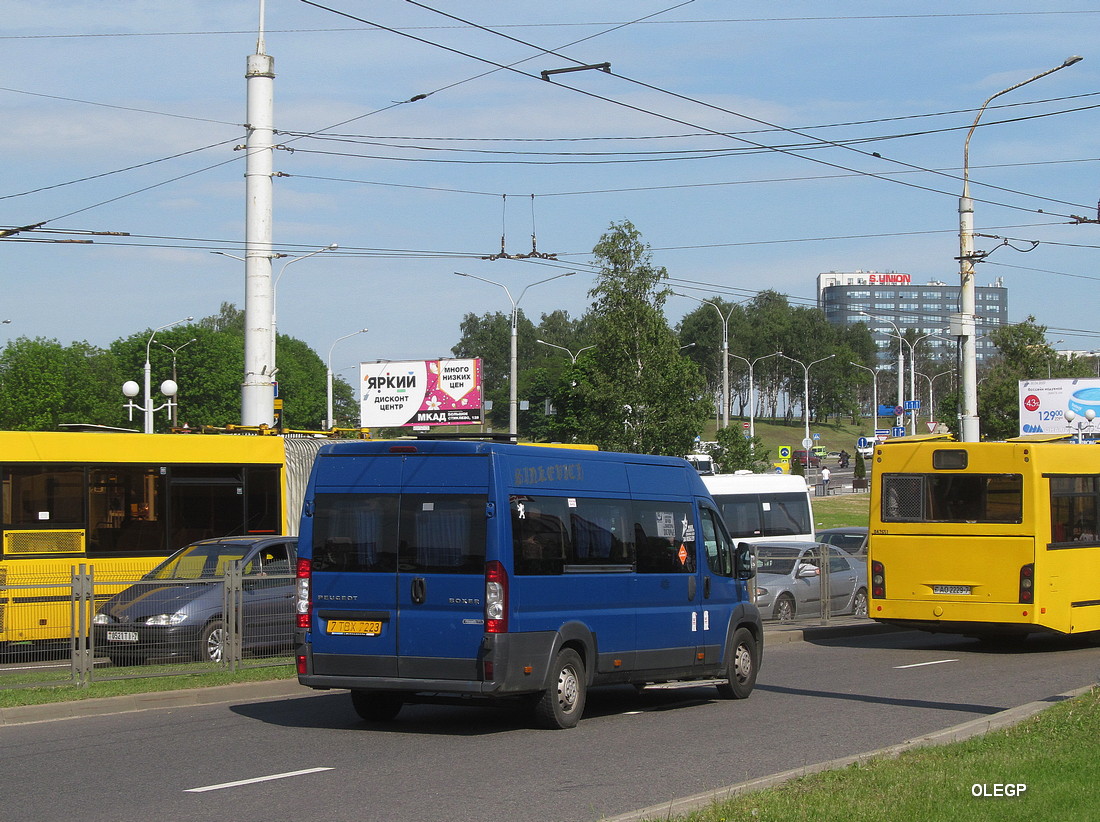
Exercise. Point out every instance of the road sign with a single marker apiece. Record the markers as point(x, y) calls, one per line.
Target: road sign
point(784, 452)
point(807, 442)
point(912, 405)
point(744, 425)
point(863, 442)
point(898, 410)
point(817, 436)
point(897, 431)
point(879, 432)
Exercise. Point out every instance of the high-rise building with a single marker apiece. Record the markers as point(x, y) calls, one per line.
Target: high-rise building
point(879, 298)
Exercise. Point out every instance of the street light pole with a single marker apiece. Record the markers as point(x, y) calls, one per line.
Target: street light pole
point(330, 422)
point(806, 396)
point(175, 351)
point(874, 392)
point(572, 356)
point(513, 402)
point(274, 302)
point(725, 354)
point(149, 375)
point(963, 323)
point(752, 397)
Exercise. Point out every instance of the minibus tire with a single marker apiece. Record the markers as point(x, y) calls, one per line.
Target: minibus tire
point(560, 706)
point(376, 706)
point(741, 666)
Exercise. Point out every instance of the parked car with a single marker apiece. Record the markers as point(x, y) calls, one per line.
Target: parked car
point(788, 580)
point(801, 456)
point(820, 451)
point(177, 610)
point(853, 540)
point(866, 451)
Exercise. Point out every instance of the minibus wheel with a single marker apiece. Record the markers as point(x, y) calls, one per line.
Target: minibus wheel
point(376, 706)
point(560, 706)
point(741, 666)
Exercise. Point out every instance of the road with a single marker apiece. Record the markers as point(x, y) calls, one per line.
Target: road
point(815, 701)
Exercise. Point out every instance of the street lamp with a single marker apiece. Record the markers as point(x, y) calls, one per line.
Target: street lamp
point(168, 387)
point(806, 441)
point(752, 397)
point(931, 397)
point(513, 405)
point(962, 324)
point(175, 351)
point(725, 354)
point(330, 422)
point(901, 360)
point(274, 291)
point(572, 356)
point(874, 391)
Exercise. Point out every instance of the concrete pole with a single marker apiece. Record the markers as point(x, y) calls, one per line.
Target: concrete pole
point(258, 388)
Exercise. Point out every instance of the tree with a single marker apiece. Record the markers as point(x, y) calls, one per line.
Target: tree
point(736, 452)
point(637, 392)
point(1022, 354)
point(43, 384)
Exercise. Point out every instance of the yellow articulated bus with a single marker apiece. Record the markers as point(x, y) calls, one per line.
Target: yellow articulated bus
point(121, 502)
point(986, 539)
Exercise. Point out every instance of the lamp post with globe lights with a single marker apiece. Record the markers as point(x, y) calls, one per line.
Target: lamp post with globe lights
point(168, 387)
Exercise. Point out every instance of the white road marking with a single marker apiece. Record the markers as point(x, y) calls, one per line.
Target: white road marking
point(255, 780)
point(922, 664)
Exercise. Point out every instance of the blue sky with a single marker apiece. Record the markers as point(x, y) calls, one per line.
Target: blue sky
point(123, 117)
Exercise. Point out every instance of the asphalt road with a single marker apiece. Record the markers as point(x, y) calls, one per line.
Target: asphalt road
point(815, 701)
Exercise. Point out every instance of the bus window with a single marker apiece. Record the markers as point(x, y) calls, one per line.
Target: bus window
point(952, 498)
point(1074, 508)
point(50, 496)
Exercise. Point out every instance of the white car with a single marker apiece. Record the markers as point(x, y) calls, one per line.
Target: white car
point(868, 451)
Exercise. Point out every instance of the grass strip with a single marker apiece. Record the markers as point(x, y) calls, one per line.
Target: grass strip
point(1054, 756)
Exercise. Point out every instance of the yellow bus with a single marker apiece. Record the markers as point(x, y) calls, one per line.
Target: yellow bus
point(121, 502)
point(986, 539)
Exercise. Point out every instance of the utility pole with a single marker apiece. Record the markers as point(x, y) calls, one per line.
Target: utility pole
point(258, 388)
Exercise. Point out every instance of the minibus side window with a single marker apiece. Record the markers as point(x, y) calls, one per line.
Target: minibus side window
point(541, 541)
point(664, 536)
point(717, 544)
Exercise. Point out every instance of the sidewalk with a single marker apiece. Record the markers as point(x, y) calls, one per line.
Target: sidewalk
point(245, 692)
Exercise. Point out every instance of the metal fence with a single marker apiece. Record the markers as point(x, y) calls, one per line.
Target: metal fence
point(80, 630)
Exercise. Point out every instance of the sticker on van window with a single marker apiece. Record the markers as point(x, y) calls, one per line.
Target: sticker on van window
point(570, 501)
point(666, 524)
point(427, 506)
point(689, 529)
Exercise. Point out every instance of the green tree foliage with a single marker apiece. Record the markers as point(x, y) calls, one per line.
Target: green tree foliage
point(1022, 354)
point(637, 392)
point(44, 384)
point(736, 452)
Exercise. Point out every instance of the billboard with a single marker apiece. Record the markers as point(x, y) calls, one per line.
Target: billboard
point(419, 392)
point(1044, 403)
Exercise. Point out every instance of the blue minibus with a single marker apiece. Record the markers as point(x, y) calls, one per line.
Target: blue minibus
point(435, 569)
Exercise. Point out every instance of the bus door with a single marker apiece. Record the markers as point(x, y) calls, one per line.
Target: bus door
point(668, 586)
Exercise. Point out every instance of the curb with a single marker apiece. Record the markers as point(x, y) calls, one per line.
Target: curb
point(152, 700)
point(956, 733)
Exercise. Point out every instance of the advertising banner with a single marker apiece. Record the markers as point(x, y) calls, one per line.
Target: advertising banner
point(1044, 403)
point(420, 392)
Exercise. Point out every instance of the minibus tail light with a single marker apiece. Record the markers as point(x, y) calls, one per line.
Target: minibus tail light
point(304, 602)
point(878, 580)
point(1027, 583)
point(496, 598)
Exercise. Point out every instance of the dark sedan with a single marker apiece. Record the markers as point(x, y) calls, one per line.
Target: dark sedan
point(177, 610)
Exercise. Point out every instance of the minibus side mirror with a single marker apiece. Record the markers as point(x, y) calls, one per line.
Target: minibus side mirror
point(744, 561)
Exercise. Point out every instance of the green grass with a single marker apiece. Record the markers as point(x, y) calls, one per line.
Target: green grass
point(1056, 754)
point(841, 510)
point(834, 435)
point(154, 678)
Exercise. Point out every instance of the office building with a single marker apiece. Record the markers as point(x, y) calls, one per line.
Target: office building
point(890, 297)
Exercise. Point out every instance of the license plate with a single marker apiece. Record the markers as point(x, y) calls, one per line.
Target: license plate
point(957, 590)
point(122, 636)
point(361, 627)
